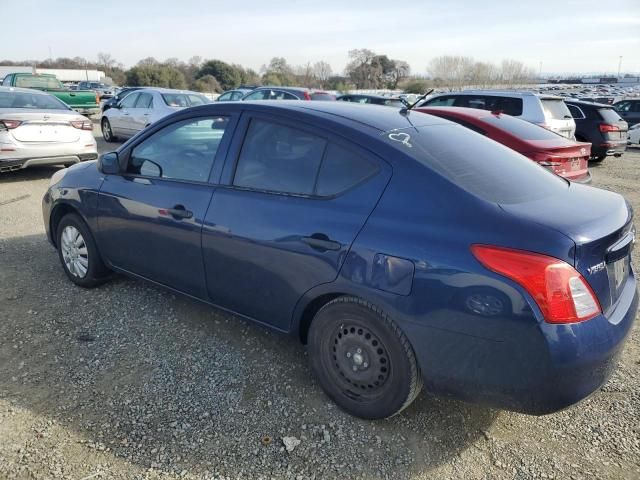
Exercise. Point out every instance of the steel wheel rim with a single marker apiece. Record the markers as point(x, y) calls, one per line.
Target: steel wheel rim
point(360, 361)
point(74, 251)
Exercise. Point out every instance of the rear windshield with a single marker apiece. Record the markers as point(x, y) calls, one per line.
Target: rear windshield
point(609, 115)
point(38, 82)
point(322, 96)
point(30, 100)
point(520, 128)
point(555, 109)
point(184, 99)
point(477, 164)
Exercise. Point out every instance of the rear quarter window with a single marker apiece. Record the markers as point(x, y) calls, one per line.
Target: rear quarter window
point(342, 169)
point(478, 165)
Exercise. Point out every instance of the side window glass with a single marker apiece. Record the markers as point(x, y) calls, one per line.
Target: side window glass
point(342, 169)
point(279, 159)
point(184, 150)
point(130, 100)
point(623, 106)
point(576, 113)
point(259, 95)
point(144, 100)
point(441, 102)
point(635, 107)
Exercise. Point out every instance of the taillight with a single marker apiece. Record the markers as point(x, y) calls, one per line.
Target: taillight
point(307, 96)
point(82, 124)
point(606, 127)
point(562, 294)
point(97, 99)
point(10, 124)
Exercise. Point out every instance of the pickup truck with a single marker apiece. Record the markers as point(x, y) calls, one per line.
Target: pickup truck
point(85, 102)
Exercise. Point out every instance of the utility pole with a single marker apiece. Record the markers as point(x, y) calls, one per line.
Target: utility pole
point(619, 66)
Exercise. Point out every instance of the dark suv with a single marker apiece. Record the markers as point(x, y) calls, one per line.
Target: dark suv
point(600, 125)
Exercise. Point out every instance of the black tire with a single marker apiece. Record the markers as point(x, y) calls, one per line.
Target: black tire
point(597, 159)
point(378, 383)
point(96, 272)
point(107, 132)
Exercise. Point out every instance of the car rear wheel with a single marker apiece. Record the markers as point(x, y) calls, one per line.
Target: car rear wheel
point(597, 159)
point(362, 359)
point(78, 253)
point(107, 132)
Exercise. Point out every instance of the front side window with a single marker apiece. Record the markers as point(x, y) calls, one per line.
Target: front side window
point(183, 151)
point(145, 100)
point(258, 95)
point(279, 159)
point(225, 96)
point(130, 100)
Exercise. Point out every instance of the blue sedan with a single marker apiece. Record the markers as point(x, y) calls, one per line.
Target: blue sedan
point(403, 249)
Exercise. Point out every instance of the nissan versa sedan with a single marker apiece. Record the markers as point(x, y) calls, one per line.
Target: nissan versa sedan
point(38, 129)
point(403, 249)
point(141, 108)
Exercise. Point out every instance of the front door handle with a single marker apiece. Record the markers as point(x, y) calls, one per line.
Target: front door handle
point(319, 241)
point(179, 212)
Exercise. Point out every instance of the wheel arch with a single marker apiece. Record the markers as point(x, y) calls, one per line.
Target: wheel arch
point(59, 211)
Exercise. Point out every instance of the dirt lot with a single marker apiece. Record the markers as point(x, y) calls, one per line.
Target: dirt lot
point(129, 381)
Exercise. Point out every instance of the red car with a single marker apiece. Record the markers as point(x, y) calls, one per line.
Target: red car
point(565, 157)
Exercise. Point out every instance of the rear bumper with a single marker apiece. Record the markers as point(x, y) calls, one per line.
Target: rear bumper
point(585, 179)
point(86, 110)
point(7, 165)
point(541, 370)
point(608, 149)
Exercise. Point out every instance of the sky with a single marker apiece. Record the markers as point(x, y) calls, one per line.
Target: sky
point(571, 36)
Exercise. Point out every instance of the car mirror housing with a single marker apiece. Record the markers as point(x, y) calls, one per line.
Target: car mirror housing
point(109, 163)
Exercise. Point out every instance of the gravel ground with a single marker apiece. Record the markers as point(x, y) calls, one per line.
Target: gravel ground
point(128, 381)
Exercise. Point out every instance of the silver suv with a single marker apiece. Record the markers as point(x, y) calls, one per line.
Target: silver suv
point(545, 110)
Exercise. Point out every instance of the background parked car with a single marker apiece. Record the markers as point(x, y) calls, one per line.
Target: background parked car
point(629, 110)
point(633, 135)
point(547, 111)
point(39, 129)
point(562, 156)
point(601, 126)
point(102, 89)
point(372, 99)
point(287, 93)
point(140, 108)
point(85, 102)
point(234, 95)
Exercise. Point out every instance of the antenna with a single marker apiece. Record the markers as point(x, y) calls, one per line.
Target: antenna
point(406, 109)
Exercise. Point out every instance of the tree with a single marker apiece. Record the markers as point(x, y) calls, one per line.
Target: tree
point(106, 61)
point(278, 72)
point(156, 76)
point(227, 75)
point(359, 67)
point(399, 71)
point(322, 71)
point(207, 83)
point(417, 86)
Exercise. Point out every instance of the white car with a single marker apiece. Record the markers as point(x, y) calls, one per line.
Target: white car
point(548, 111)
point(141, 108)
point(633, 135)
point(38, 129)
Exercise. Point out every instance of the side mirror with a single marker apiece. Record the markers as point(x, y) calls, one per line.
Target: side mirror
point(109, 163)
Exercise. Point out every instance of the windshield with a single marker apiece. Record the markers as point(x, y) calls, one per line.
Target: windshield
point(30, 100)
point(184, 99)
point(477, 164)
point(555, 109)
point(520, 128)
point(38, 82)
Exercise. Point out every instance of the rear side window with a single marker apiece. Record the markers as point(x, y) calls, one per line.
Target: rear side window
point(479, 165)
point(555, 109)
point(520, 128)
point(508, 105)
point(342, 169)
point(279, 158)
point(440, 102)
point(609, 115)
point(576, 112)
point(259, 95)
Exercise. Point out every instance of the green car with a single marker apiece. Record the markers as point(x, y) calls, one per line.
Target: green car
point(85, 102)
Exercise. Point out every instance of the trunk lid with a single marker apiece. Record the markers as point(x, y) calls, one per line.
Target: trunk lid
point(40, 127)
point(600, 224)
point(565, 158)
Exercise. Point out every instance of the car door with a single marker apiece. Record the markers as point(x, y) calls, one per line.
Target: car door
point(293, 203)
point(120, 118)
point(150, 217)
point(140, 115)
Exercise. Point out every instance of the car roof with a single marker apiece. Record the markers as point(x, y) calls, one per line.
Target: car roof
point(22, 90)
point(381, 119)
point(504, 93)
point(584, 103)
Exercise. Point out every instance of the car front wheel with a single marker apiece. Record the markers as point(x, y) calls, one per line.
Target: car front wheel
point(78, 253)
point(362, 359)
point(107, 132)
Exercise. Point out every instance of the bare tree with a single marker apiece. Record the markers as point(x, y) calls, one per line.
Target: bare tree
point(399, 72)
point(322, 71)
point(106, 61)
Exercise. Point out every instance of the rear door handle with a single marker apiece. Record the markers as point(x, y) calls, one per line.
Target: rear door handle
point(319, 241)
point(179, 212)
